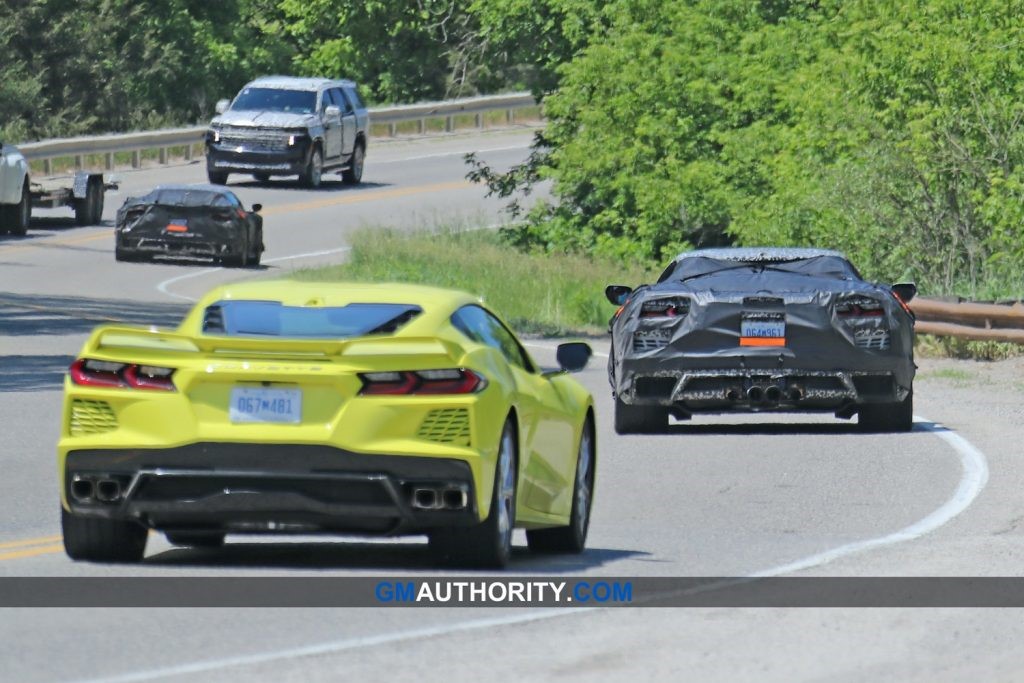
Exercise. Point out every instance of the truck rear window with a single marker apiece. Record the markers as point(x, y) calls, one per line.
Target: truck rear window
point(274, 319)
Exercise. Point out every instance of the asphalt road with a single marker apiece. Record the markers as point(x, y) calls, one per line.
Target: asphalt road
point(718, 497)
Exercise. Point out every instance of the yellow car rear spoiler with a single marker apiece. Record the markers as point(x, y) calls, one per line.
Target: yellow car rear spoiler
point(111, 338)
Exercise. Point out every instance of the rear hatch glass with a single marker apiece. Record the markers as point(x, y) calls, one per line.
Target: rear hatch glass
point(274, 319)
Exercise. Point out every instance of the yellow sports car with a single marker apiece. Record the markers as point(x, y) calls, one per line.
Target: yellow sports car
point(282, 406)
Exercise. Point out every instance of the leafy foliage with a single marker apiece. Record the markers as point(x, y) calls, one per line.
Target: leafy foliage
point(71, 67)
point(892, 131)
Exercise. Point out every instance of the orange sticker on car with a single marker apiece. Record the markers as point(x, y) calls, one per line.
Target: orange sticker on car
point(762, 341)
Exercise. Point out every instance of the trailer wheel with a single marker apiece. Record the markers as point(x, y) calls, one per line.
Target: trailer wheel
point(21, 213)
point(89, 210)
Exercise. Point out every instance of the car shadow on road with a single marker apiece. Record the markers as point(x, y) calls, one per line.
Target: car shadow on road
point(42, 314)
point(764, 428)
point(326, 185)
point(202, 262)
point(779, 429)
point(60, 223)
point(402, 556)
point(43, 226)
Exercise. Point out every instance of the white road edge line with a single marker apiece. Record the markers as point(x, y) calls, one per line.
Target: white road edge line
point(330, 648)
point(162, 287)
point(975, 475)
point(973, 479)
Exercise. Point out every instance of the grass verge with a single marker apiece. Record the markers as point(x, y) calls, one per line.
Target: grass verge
point(551, 294)
point(928, 346)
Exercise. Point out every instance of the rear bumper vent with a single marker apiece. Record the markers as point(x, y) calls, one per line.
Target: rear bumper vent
point(876, 386)
point(91, 417)
point(655, 387)
point(446, 425)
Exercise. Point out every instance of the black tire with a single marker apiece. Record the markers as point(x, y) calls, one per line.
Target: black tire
point(261, 177)
point(572, 538)
point(217, 177)
point(488, 544)
point(20, 214)
point(240, 260)
point(257, 250)
point(97, 192)
point(897, 416)
point(89, 209)
point(102, 540)
point(129, 256)
point(196, 539)
point(631, 419)
point(353, 175)
point(312, 175)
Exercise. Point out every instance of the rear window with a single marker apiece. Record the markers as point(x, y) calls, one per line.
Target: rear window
point(274, 319)
point(192, 197)
point(817, 266)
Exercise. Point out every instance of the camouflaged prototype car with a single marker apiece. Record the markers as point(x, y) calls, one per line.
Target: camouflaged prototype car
point(762, 329)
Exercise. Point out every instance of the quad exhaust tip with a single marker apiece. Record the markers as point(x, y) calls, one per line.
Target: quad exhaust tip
point(101, 489)
point(108, 490)
point(772, 394)
point(755, 394)
point(82, 489)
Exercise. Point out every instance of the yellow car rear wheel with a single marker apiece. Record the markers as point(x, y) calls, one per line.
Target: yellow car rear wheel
point(102, 540)
point(572, 538)
point(488, 544)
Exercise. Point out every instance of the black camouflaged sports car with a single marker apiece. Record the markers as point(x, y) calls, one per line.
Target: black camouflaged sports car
point(204, 221)
point(762, 329)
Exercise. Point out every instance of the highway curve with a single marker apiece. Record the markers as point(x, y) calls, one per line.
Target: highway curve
point(725, 497)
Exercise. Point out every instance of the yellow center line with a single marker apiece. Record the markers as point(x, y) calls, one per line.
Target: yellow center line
point(30, 541)
point(370, 196)
point(32, 552)
point(367, 196)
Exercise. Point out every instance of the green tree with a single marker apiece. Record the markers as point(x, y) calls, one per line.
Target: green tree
point(891, 130)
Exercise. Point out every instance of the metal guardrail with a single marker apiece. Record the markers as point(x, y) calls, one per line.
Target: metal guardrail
point(970, 320)
point(164, 140)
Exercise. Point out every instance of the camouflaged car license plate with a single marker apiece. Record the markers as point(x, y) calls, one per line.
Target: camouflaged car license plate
point(250, 405)
point(763, 329)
